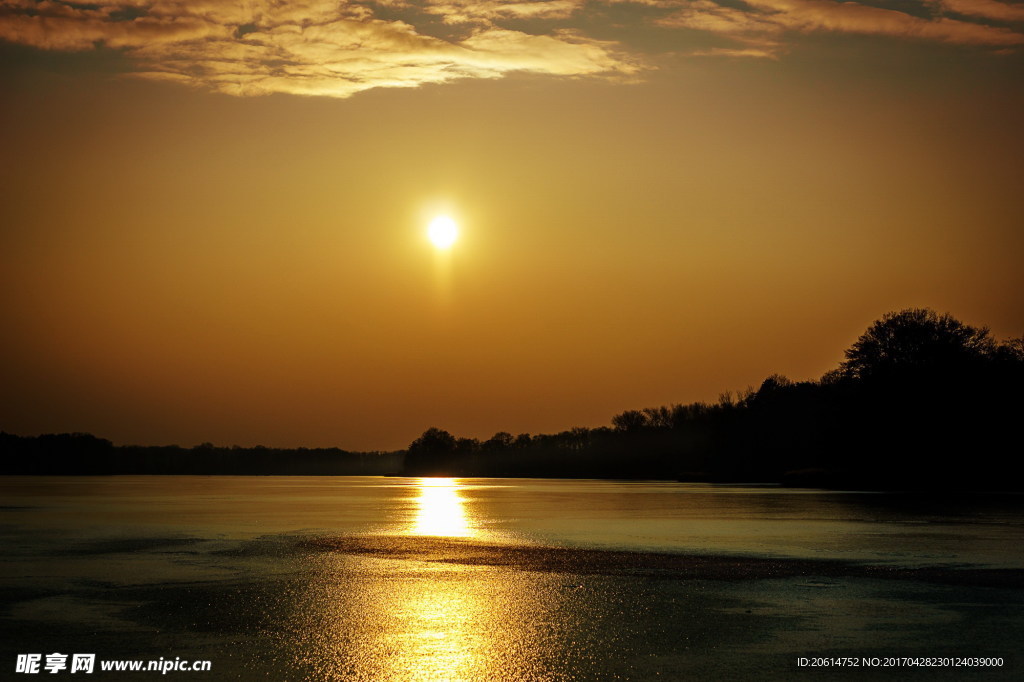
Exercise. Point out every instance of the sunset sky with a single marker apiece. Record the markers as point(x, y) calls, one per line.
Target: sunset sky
point(213, 215)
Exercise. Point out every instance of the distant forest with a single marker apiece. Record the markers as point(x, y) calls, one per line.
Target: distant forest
point(85, 454)
point(921, 400)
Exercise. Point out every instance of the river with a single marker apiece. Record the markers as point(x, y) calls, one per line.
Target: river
point(368, 578)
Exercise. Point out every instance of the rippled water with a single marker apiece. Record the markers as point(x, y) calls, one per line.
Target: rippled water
point(479, 579)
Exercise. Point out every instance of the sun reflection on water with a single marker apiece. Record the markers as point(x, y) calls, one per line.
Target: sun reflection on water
point(416, 610)
point(440, 510)
point(441, 635)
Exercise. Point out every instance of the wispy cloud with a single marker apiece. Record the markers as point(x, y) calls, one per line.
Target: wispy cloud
point(338, 48)
point(487, 11)
point(985, 9)
point(761, 20)
point(742, 52)
point(59, 26)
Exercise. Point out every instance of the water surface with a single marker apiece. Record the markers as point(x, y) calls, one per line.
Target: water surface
point(463, 579)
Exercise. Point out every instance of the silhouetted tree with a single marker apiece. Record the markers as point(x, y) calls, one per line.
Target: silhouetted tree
point(465, 447)
point(629, 421)
point(914, 339)
point(773, 385)
point(522, 441)
point(431, 454)
point(433, 441)
point(1010, 352)
point(502, 440)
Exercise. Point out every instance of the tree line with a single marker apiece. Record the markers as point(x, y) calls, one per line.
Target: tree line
point(921, 400)
point(85, 454)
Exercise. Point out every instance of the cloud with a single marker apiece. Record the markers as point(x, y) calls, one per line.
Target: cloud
point(487, 11)
point(985, 9)
point(705, 15)
point(761, 20)
point(58, 26)
point(310, 47)
point(340, 47)
point(852, 17)
point(746, 53)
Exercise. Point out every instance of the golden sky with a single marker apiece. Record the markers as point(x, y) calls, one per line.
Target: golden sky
point(213, 214)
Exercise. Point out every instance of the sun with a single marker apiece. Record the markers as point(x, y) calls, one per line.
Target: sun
point(443, 232)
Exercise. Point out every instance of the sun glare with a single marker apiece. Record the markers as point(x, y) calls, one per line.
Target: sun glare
point(439, 509)
point(443, 232)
